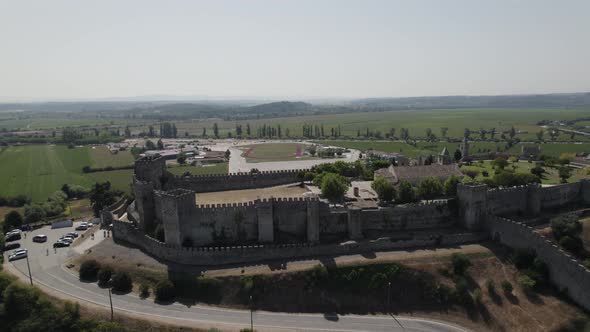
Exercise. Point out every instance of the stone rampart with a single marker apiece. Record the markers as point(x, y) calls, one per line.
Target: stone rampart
point(232, 181)
point(126, 232)
point(564, 270)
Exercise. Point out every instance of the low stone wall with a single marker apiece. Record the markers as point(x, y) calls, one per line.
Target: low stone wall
point(565, 271)
point(126, 232)
point(232, 181)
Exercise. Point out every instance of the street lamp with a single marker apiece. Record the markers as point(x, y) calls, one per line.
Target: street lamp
point(251, 316)
point(29, 267)
point(110, 285)
point(389, 297)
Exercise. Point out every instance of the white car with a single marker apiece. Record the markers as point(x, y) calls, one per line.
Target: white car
point(66, 239)
point(82, 227)
point(19, 250)
point(17, 255)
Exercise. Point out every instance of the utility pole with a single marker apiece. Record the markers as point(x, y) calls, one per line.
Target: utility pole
point(389, 297)
point(29, 267)
point(251, 316)
point(111, 298)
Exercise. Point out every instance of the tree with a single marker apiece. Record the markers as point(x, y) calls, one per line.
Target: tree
point(500, 163)
point(89, 270)
point(430, 188)
point(472, 173)
point(406, 192)
point(227, 154)
point(127, 132)
point(512, 132)
point(492, 132)
point(160, 145)
point(165, 291)
point(181, 158)
point(384, 189)
point(149, 145)
point(443, 132)
point(540, 134)
point(122, 282)
point(565, 172)
point(458, 155)
point(482, 134)
point(450, 185)
point(215, 130)
point(12, 220)
point(204, 134)
point(101, 196)
point(566, 225)
point(538, 171)
point(333, 187)
point(460, 263)
point(466, 133)
point(104, 276)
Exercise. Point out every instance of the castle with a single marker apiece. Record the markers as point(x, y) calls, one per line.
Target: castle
point(280, 228)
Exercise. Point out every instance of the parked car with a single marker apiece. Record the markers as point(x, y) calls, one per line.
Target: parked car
point(60, 244)
point(17, 255)
point(82, 227)
point(69, 240)
point(72, 234)
point(40, 238)
point(12, 236)
point(10, 246)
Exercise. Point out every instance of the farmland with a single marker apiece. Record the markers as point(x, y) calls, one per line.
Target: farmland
point(39, 170)
point(423, 148)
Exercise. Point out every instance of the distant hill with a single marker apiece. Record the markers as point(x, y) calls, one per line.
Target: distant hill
point(281, 107)
point(502, 101)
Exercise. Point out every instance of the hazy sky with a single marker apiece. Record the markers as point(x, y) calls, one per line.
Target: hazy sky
point(292, 49)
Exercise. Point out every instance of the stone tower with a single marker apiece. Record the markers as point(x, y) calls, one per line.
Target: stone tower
point(464, 147)
point(147, 176)
point(472, 199)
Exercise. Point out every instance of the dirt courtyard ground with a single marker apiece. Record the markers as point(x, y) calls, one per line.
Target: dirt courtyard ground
point(246, 195)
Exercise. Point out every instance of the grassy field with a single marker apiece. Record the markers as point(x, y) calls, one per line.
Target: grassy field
point(39, 170)
point(274, 152)
point(422, 148)
point(550, 177)
point(416, 120)
point(102, 157)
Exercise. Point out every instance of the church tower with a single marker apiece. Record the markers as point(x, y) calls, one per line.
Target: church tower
point(464, 147)
point(444, 158)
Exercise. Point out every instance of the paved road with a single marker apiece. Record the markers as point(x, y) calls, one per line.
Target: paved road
point(47, 271)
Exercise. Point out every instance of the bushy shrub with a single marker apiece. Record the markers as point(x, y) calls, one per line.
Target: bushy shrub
point(165, 291)
point(122, 282)
point(430, 188)
point(144, 291)
point(89, 270)
point(491, 286)
point(460, 263)
point(104, 275)
point(526, 283)
point(572, 244)
point(507, 287)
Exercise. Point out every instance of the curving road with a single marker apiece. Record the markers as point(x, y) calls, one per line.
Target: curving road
point(48, 272)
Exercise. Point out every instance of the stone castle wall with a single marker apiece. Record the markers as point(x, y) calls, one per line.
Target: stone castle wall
point(564, 270)
point(128, 233)
point(232, 181)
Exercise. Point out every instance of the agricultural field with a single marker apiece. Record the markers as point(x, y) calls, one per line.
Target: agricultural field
point(424, 148)
point(39, 170)
point(550, 177)
point(275, 152)
point(456, 120)
point(101, 157)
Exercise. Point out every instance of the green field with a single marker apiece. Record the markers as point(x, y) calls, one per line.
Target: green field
point(416, 120)
point(424, 148)
point(274, 152)
point(550, 177)
point(39, 170)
